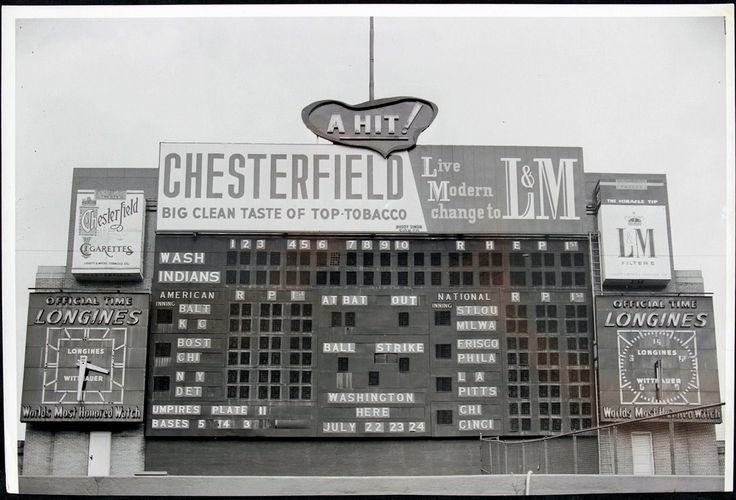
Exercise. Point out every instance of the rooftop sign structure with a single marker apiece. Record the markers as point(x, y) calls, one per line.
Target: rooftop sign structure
point(382, 125)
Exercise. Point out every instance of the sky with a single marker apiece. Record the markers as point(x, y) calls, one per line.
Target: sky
point(638, 94)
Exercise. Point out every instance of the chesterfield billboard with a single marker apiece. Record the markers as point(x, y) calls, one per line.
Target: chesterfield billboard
point(657, 354)
point(328, 188)
point(85, 357)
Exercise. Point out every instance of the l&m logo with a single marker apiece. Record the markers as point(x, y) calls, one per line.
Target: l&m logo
point(634, 240)
point(542, 191)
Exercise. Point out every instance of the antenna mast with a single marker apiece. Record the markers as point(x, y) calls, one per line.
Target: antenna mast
point(370, 62)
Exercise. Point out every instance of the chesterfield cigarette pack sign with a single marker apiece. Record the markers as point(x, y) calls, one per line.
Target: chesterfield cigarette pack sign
point(328, 188)
point(85, 357)
point(657, 354)
point(108, 234)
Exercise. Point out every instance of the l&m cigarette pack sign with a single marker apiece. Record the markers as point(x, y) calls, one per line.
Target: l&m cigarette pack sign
point(108, 234)
point(329, 188)
point(635, 234)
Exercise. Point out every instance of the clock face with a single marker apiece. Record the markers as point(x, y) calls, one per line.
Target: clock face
point(658, 367)
point(100, 350)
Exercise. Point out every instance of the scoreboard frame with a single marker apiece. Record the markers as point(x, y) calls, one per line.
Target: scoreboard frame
point(504, 392)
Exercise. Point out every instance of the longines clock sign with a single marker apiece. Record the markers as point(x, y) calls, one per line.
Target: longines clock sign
point(85, 357)
point(656, 354)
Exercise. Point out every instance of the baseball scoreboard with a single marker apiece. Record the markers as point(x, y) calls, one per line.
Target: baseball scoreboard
point(368, 336)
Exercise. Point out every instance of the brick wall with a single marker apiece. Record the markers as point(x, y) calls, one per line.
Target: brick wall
point(64, 452)
point(701, 441)
point(50, 276)
point(69, 453)
point(128, 452)
point(694, 448)
point(55, 453)
point(37, 452)
point(682, 450)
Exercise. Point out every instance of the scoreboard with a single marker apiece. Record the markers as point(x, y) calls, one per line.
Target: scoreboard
point(369, 337)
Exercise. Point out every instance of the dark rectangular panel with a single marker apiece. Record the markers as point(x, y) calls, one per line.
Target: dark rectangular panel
point(657, 354)
point(448, 338)
point(99, 338)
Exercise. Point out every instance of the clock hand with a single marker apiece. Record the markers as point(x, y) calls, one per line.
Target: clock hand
point(83, 367)
point(82, 364)
point(96, 368)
